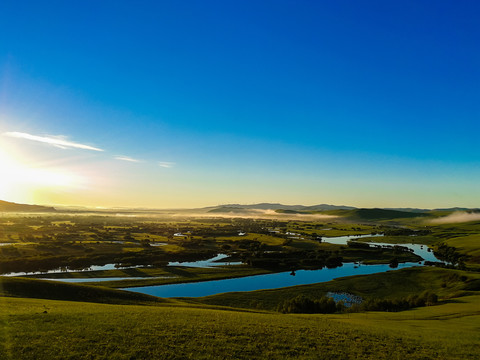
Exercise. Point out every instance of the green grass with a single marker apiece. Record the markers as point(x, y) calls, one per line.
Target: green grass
point(468, 245)
point(45, 329)
point(264, 239)
point(43, 289)
point(448, 231)
point(454, 325)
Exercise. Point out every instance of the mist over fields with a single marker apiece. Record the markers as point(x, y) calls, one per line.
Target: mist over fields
point(456, 217)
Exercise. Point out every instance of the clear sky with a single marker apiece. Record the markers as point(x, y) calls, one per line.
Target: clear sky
point(194, 103)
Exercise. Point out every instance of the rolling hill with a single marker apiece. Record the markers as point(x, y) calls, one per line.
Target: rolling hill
point(277, 206)
point(375, 214)
point(7, 206)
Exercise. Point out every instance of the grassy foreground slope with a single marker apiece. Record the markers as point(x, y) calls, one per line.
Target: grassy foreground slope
point(44, 289)
point(49, 329)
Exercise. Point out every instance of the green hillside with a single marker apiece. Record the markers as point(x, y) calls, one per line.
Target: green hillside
point(44, 289)
point(374, 214)
point(47, 329)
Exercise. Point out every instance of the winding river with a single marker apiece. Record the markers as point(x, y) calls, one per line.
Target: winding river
point(249, 283)
point(283, 279)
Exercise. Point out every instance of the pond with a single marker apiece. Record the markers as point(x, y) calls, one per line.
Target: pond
point(347, 299)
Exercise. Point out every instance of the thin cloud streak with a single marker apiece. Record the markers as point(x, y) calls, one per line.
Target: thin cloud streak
point(166, 164)
point(51, 140)
point(126, 158)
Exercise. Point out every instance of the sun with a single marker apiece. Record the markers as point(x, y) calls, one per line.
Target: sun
point(24, 182)
point(9, 177)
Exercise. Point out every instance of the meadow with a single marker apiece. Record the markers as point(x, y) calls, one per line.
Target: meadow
point(49, 319)
point(47, 329)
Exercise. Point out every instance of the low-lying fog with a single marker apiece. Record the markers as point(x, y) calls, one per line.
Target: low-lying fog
point(456, 217)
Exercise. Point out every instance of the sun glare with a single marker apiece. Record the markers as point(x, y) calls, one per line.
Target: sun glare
point(21, 182)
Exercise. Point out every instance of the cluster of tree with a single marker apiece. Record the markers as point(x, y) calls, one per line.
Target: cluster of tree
point(427, 298)
point(294, 259)
point(458, 266)
point(398, 249)
point(448, 254)
point(393, 263)
point(405, 232)
point(305, 305)
point(358, 245)
point(302, 304)
point(393, 254)
point(253, 245)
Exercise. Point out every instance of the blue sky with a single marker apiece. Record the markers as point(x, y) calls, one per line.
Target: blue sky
point(368, 103)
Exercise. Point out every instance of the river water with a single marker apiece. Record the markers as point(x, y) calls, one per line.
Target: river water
point(261, 282)
point(283, 279)
point(215, 261)
point(250, 283)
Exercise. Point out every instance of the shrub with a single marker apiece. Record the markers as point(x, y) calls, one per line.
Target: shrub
point(304, 305)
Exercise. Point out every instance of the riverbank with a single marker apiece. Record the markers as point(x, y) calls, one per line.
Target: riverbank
point(447, 283)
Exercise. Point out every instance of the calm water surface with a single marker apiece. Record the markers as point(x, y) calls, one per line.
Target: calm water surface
point(283, 279)
point(420, 250)
point(215, 261)
point(259, 282)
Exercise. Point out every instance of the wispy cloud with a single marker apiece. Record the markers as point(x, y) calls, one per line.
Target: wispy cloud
point(127, 158)
point(58, 141)
point(63, 143)
point(166, 164)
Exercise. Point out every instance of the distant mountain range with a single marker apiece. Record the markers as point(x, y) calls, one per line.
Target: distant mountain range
point(321, 207)
point(6, 206)
point(376, 214)
point(276, 206)
point(348, 212)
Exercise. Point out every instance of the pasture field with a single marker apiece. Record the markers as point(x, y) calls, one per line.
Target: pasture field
point(46, 329)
